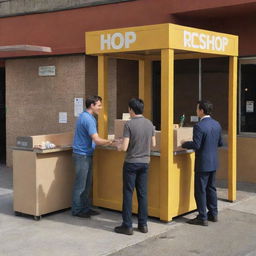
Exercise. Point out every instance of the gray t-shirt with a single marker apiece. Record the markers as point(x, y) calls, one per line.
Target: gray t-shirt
point(140, 131)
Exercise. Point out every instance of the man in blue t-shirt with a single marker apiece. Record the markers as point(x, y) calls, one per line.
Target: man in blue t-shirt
point(85, 139)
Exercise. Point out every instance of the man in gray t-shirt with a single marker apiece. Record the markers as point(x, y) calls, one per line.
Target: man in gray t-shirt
point(139, 133)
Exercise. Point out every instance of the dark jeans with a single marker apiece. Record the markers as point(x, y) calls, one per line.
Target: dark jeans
point(135, 175)
point(205, 194)
point(81, 202)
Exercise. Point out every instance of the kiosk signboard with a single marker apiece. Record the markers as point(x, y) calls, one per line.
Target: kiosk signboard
point(162, 36)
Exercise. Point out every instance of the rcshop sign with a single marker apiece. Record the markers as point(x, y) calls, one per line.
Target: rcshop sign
point(204, 41)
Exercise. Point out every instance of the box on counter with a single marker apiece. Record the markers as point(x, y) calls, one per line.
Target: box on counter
point(182, 134)
point(59, 139)
point(179, 135)
point(119, 128)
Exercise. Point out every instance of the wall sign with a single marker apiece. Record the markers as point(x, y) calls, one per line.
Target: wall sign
point(78, 106)
point(63, 117)
point(249, 106)
point(47, 71)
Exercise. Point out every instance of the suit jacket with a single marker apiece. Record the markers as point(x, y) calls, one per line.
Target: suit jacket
point(206, 140)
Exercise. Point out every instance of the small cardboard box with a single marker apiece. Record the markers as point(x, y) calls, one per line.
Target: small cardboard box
point(158, 141)
point(182, 134)
point(59, 139)
point(119, 128)
point(179, 135)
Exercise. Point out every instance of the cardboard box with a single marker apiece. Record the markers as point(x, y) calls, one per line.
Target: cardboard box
point(59, 139)
point(179, 134)
point(119, 128)
point(182, 134)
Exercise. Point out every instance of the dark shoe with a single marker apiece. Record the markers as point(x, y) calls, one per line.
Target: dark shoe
point(143, 229)
point(124, 230)
point(82, 215)
point(92, 212)
point(213, 218)
point(197, 221)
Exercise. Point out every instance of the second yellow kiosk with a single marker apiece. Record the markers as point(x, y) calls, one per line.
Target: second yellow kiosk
point(170, 188)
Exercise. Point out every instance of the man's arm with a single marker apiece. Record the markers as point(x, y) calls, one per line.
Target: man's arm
point(99, 141)
point(220, 142)
point(124, 145)
point(197, 139)
point(153, 141)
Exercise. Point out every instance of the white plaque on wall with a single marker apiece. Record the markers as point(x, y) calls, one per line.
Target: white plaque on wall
point(249, 106)
point(63, 117)
point(193, 119)
point(78, 106)
point(47, 70)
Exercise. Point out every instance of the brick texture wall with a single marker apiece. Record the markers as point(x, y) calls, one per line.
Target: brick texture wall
point(34, 102)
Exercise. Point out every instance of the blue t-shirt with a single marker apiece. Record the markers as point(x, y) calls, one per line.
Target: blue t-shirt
point(85, 127)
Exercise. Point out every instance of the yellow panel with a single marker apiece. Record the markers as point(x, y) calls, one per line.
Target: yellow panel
point(183, 181)
point(204, 41)
point(103, 92)
point(166, 191)
point(160, 36)
point(232, 108)
point(127, 39)
point(107, 183)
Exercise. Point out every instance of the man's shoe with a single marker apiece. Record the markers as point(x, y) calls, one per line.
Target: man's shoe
point(92, 212)
point(124, 230)
point(197, 221)
point(143, 229)
point(213, 218)
point(82, 215)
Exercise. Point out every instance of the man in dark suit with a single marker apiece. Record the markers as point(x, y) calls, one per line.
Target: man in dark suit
point(206, 140)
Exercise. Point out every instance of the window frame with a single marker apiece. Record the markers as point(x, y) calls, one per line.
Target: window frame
point(243, 60)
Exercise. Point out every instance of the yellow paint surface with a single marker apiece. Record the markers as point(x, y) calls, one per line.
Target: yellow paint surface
point(161, 36)
point(107, 185)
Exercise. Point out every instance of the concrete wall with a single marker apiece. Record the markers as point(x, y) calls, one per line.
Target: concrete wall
point(186, 81)
point(21, 7)
point(246, 169)
point(34, 102)
point(214, 88)
point(127, 84)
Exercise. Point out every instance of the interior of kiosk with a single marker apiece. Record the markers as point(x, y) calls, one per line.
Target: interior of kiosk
point(171, 175)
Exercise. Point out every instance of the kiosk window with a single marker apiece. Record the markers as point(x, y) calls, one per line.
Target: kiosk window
point(248, 98)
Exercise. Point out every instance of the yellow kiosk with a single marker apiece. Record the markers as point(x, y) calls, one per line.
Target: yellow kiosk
point(170, 188)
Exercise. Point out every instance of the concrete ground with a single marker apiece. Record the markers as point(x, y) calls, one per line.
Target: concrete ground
point(61, 234)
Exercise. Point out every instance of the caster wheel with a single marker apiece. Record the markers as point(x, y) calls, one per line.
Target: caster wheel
point(37, 218)
point(17, 213)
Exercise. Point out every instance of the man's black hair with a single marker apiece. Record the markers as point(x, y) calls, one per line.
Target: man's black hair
point(137, 105)
point(206, 106)
point(92, 100)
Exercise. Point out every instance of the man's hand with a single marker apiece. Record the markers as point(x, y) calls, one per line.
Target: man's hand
point(182, 142)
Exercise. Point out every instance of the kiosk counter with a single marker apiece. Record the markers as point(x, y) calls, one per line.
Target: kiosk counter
point(42, 178)
point(107, 185)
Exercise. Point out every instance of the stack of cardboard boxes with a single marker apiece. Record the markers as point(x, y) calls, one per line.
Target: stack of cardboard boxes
point(179, 134)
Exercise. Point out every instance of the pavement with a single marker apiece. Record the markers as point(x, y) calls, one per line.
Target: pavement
point(61, 234)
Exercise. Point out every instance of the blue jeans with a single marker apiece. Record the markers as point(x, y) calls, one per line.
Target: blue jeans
point(135, 175)
point(81, 202)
